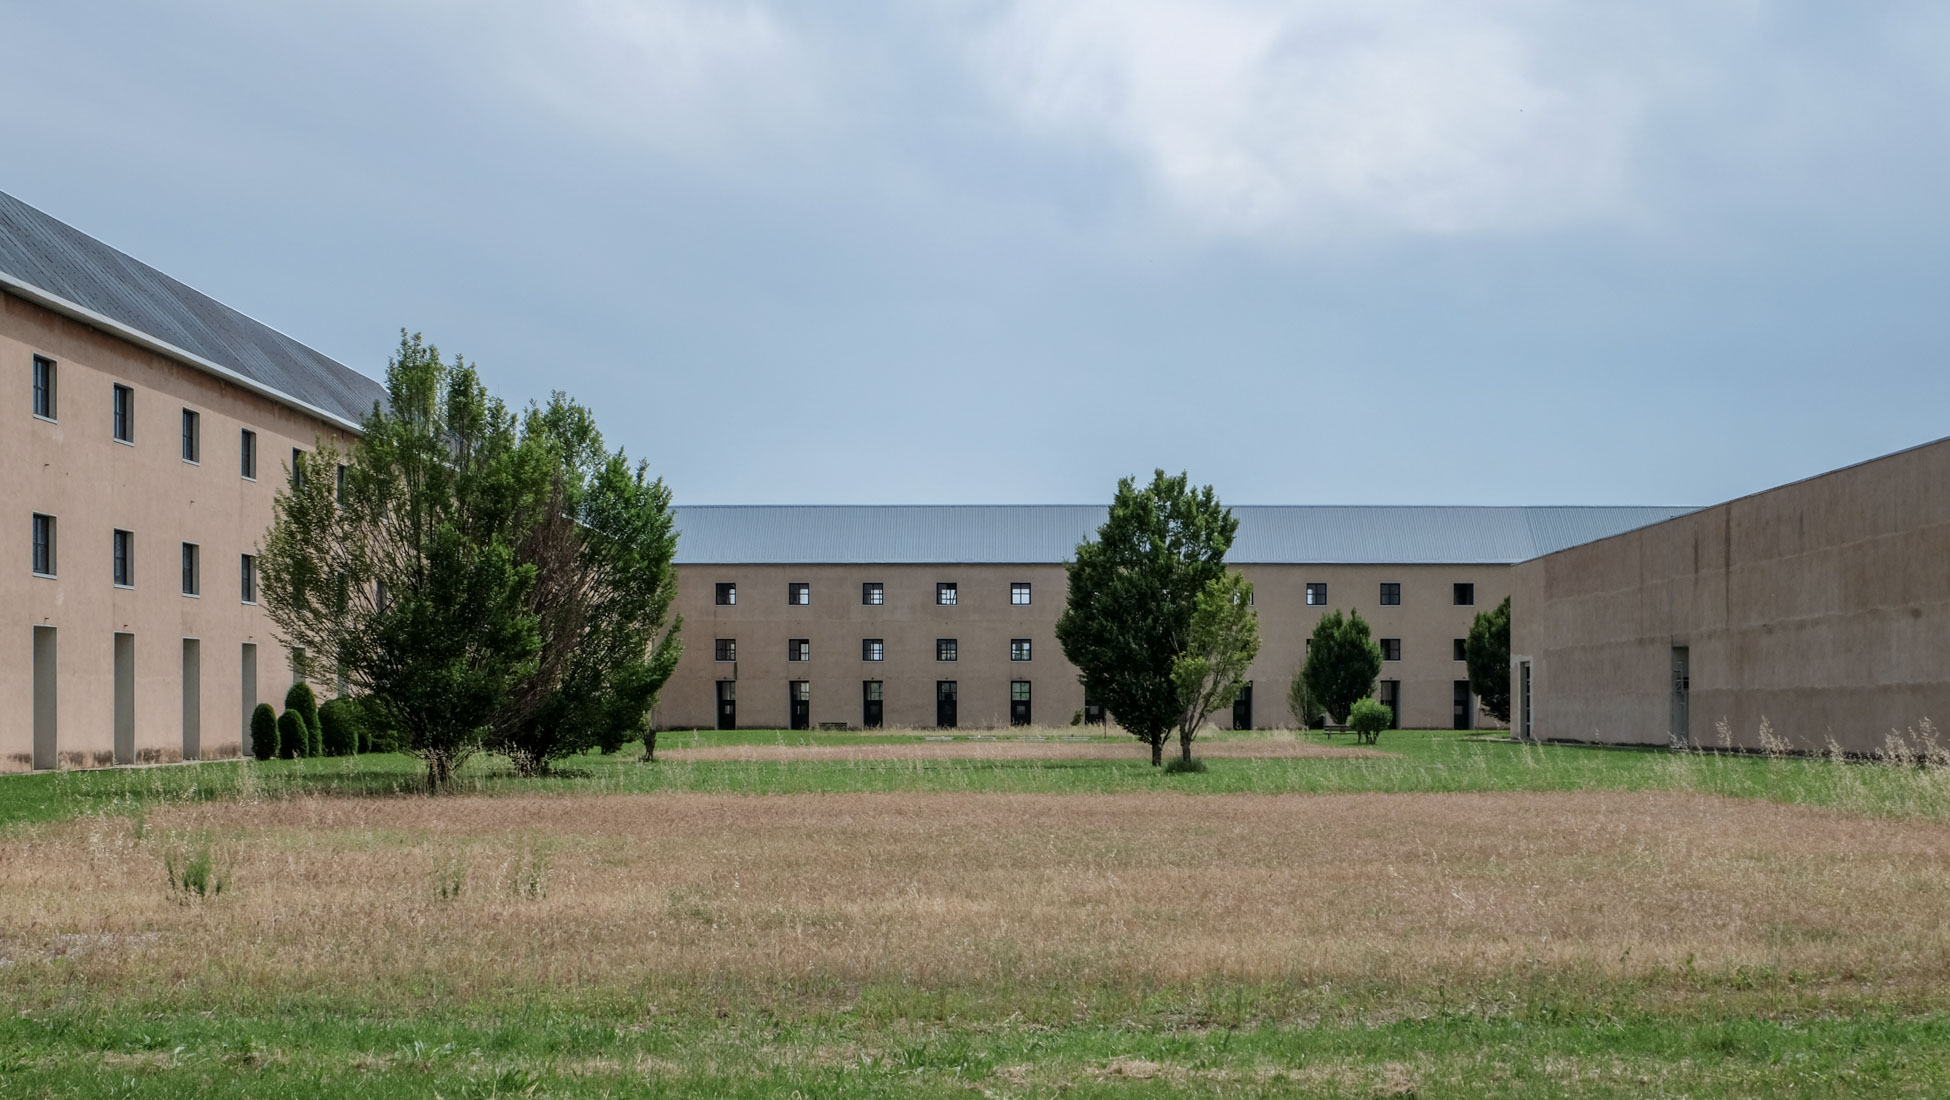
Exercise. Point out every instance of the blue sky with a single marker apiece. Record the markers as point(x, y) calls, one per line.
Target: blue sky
point(1401, 251)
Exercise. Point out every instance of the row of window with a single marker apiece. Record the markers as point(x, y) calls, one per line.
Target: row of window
point(872, 691)
point(122, 423)
point(947, 698)
point(871, 649)
point(1462, 593)
point(873, 593)
point(122, 558)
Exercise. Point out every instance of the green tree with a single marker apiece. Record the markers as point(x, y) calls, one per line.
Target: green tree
point(299, 698)
point(1367, 718)
point(1488, 652)
point(410, 575)
point(1222, 642)
point(1133, 591)
point(604, 585)
point(264, 732)
point(1342, 663)
point(1300, 701)
point(339, 727)
point(291, 735)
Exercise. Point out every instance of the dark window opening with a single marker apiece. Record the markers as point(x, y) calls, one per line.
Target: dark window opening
point(248, 574)
point(798, 593)
point(44, 388)
point(946, 594)
point(247, 454)
point(1391, 594)
point(1465, 595)
point(192, 436)
point(727, 649)
point(192, 582)
point(798, 649)
point(1019, 649)
point(945, 649)
point(1391, 649)
point(873, 649)
point(1019, 593)
point(44, 545)
point(122, 414)
point(727, 593)
point(1316, 595)
point(1462, 649)
point(125, 559)
point(873, 593)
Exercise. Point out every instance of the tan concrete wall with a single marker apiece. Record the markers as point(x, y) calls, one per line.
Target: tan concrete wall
point(74, 470)
point(1821, 607)
point(983, 622)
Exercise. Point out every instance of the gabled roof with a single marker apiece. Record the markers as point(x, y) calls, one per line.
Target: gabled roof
point(50, 262)
point(1048, 533)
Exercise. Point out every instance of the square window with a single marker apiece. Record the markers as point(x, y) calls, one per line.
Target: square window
point(798, 593)
point(122, 414)
point(247, 454)
point(945, 593)
point(1019, 649)
point(1391, 649)
point(945, 649)
point(43, 545)
point(727, 649)
point(125, 559)
point(1462, 649)
point(1019, 593)
point(43, 388)
point(798, 649)
point(1317, 595)
point(247, 572)
point(873, 649)
point(192, 580)
point(873, 593)
point(192, 436)
point(727, 593)
point(1465, 595)
point(1391, 594)
point(1019, 691)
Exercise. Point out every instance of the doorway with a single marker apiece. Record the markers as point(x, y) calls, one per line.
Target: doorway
point(870, 704)
point(45, 744)
point(1391, 697)
point(1682, 692)
point(193, 699)
point(124, 698)
point(1524, 699)
point(1463, 709)
point(1242, 708)
point(800, 693)
point(727, 704)
point(1018, 702)
point(249, 694)
point(945, 696)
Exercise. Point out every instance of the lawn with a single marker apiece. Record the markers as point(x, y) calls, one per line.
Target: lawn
point(897, 915)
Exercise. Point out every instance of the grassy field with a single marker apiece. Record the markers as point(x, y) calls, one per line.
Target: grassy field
point(899, 915)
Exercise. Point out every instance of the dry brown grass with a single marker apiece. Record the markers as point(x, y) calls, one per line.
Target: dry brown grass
point(668, 899)
point(1101, 749)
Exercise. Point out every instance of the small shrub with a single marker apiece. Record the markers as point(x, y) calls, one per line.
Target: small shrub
point(193, 872)
point(1367, 718)
point(301, 699)
point(264, 732)
point(1178, 765)
point(339, 725)
point(293, 740)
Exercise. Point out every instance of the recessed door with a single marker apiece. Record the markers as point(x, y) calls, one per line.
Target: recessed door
point(193, 699)
point(727, 704)
point(801, 699)
point(46, 746)
point(1462, 707)
point(248, 677)
point(1682, 696)
point(1242, 709)
point(1391, 697)
point(124, 698)
point(946, 695)
point(1019, 703)
point(870, 704)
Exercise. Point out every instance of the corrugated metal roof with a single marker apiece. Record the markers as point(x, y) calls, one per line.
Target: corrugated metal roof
point(60, 260)
point(972, 534)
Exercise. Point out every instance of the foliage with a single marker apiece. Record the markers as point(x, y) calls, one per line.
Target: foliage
point(264, 732)
point(299, 697)
point(1184, 765)
point(1307, 712)
point(1132, 594)
point(1223, 640)
point(1488, 653)
point(293, 741)
point(338, 721)
point(1342, 664)
point(1367, 718)
point(193, 872)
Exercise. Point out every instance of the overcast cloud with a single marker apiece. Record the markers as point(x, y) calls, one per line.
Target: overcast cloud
point(1401, 251)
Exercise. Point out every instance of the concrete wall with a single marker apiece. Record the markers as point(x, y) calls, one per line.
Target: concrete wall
point(983, 622)
point(1821, 607)
point(74, 470)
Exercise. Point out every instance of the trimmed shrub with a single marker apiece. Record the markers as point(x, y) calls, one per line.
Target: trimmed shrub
point(1367, 718)
point(301, 699)
point(339, 721)
point(264, 732)
point(293, 740)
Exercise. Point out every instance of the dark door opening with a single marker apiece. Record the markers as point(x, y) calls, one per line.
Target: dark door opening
point(1242, 708)
point(46, 710)
point(801, 693)
point(1093, 712)
point(945, 695)
point(1019, 702)
point(193, 699)
point(870, 705)
point(1524, 704)
point(1391, 697)
point(1682, 693)
point(124, 698)
point(1463, 707)
point(727, 704)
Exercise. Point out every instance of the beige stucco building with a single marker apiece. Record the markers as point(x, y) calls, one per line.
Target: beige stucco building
point(1820, 608)
point(146, 427)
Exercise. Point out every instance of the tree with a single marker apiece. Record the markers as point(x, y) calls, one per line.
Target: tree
point(604, 585)
point(1342, 663)
point(409, 577)
point(1300, 701)
point(1488, 653)
point(1367, 718)
point(339, 727)
point(1222, 642)
point(264, 732)
point(299, 698)
point(291, 735)
point(1133, 591)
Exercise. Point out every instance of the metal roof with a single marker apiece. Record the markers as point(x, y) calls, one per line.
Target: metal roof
point(49, 261)
point(1046, 533)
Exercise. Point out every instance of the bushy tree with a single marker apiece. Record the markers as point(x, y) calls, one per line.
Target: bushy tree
point(1133, 591)
point(1367, 718)
point(292, 737)
point(264, 731)
point(1300, 701)
point(1223, 640)
point(1343, 662)
point(338, 725)
point(299, 697)
point(1488, 652)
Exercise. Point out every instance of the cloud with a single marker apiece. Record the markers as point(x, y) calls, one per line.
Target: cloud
point(1319, 118)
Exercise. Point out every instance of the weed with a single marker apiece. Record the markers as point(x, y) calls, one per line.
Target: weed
point(193, 871)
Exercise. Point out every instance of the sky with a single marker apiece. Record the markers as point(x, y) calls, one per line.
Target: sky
point(1007, 251)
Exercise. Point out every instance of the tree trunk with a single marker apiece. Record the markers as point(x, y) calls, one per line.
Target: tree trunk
point(1158, 752)
point(1185, 745)
point(650, 745)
